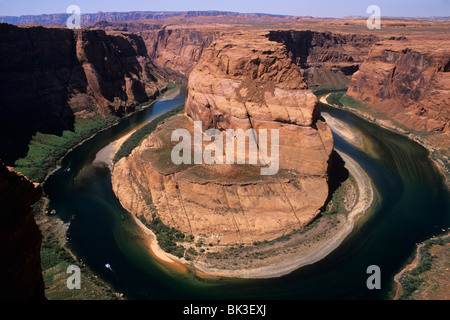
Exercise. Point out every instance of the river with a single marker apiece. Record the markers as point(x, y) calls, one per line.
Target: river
point(412, 205)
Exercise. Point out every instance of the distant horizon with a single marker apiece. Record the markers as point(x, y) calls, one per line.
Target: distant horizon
point(297, 8)
point(227, 11)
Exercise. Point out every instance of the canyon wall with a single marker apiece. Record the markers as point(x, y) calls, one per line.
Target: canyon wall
point(50, 75)
point(179, 48)
point(407, 81)
point(176, 47)
point(20, 238)
point(243, 81)
point(326, 59)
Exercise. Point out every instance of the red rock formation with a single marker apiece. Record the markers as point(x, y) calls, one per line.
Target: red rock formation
point(247, 82)
point(242, 81)
point(178, 48)
point(20, 238)
point(409, 82)
point(326, 59)
point(49, 75)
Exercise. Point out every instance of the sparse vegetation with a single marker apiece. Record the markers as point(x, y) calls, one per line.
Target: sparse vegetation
point(45, 150)
point(137, 137)
point(413, 280)
point(56, 258)
point(167, 236)
point(324, 79)
point(341, 199)
point(335, 98)
point(172, 85)
point(342, 99)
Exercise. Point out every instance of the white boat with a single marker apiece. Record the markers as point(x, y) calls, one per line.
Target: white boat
point(108, 266)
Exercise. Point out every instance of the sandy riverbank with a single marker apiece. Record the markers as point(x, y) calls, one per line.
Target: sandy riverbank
point(388, 125)
point(157, 252)
point(282, 263)
point(343, 130)
point(407, 268)
point(286, 263)
point(106, 155)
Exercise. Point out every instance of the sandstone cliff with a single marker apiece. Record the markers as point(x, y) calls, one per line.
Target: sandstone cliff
point(409, 81)
point(20, 238)
point(242, 81)
point(48, 76)
point(179, 48)
point(176, 47)
point(326, 59)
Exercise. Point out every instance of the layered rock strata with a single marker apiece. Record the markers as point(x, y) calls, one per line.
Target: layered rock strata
point(409, 81)
point(178, 48)
point(49, 75)
point(326, 59)
point(242, 82)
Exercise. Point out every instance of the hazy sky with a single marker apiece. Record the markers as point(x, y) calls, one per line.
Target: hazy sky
point(316, 8)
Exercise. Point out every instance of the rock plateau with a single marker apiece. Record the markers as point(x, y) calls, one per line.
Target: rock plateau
point(242, 81)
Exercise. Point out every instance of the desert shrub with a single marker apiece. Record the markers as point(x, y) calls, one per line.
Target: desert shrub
point(139, 135)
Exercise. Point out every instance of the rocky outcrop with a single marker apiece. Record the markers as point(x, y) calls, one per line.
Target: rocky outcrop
point(20, 238)
point(178, 48)
point(50, 75)
point(243, 82)
point(409, 82)
point(326, 59)
point(248, 82)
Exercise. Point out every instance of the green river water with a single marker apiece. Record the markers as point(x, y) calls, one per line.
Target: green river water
point(412, 204)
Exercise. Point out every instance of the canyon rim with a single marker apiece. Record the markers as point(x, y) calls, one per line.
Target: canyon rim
point(86, 139)
point(242, 82)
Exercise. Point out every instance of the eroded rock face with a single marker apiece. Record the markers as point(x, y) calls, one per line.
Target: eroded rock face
point(250, 82)
point(49, 75)
point(179, 48)
point(241, 82)
point(326, 59)
point(20, 238)
point(409, 81)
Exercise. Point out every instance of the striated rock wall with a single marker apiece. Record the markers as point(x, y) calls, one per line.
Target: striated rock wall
point(229, 203)
point(247, 82)
point(242, 81)
point(326, 59)
point(20, 238)
point(49, 75)
point(408, 81)
point(178, 48)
